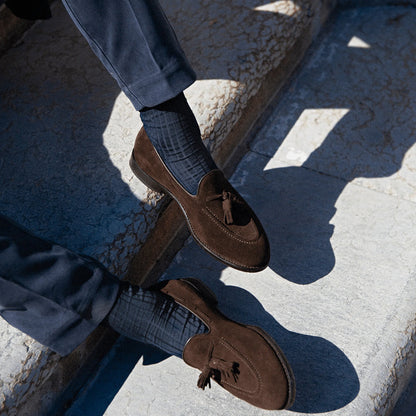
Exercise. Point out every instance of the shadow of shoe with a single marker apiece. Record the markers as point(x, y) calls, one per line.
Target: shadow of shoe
point(325, 378)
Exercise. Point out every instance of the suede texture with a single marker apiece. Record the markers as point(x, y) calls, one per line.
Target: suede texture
point(242, 359)
point(240, 242)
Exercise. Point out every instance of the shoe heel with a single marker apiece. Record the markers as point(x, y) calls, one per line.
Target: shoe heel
point(205, 291)
point(144, 177)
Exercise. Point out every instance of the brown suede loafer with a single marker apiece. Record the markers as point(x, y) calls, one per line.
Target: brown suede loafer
point(218, 217)
point(242, 359)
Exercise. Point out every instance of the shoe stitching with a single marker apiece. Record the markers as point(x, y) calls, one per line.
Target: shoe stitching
point(204, 245)
point(229, 346)
point(191, 195)
point(219, 224)
point(243, 357)
point(283, 361)
point(221, 340)
point(227, 260)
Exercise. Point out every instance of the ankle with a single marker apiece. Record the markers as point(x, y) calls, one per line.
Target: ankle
point(174, 132)
point(154, 318)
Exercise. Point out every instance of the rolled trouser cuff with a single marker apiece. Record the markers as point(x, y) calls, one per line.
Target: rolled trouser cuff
point(160, 87)
point(136, 43)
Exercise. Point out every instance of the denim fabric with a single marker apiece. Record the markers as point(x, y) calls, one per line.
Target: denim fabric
point(50, 293)
point(137, 45)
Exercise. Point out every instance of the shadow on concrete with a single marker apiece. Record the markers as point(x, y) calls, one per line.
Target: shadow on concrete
point(101, 389)
point(325, 378)
point(296, 204)
point(56, 176)
point(209, 49)
point(56, 101)
point(377, 86)
point(61, 122)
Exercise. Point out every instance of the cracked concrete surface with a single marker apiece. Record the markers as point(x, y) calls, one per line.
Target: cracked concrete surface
point(331, 176)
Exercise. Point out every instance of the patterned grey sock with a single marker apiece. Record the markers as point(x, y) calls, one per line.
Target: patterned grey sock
point(174, 132)
point(152, 317)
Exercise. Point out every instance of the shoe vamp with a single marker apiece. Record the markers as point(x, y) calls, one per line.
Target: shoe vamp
point(243, 224)
point(260, 379)
point(245, 378)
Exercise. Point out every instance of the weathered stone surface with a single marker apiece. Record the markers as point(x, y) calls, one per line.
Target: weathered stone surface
point(229, 55)
point(66, 136)
point(363, 79)
point(331, 177)
point(11, 28)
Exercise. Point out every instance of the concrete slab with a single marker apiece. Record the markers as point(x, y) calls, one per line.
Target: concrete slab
point(69, 132)
point(356, 102)
point(66, 135)
point(406, 405)
point(339, 358)
point(11, 27)
point(339, 295)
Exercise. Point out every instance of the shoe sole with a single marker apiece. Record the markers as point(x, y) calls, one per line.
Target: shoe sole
point(210, 297)
point(156, 186)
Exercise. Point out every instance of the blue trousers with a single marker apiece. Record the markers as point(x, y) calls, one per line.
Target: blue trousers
point(52, 294)
point(137, 45)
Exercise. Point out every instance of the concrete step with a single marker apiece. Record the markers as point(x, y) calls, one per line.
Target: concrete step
point(406, 405)
point(11, 28)
point(66, 136)
point(331, 175)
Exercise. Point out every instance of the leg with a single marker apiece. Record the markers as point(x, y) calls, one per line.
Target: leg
point(59, 297)
point(49, 292)
point(137, 45)
point(243, 359)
